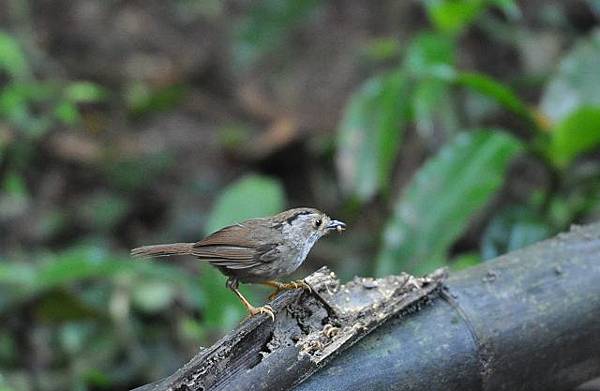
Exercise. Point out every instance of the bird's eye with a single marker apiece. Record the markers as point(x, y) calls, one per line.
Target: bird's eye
point(318, 223)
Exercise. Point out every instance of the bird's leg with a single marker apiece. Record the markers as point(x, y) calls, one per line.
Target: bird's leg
point(281, 286)
point(267, 309)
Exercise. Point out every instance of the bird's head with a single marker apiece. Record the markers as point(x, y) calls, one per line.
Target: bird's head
point(309, 223)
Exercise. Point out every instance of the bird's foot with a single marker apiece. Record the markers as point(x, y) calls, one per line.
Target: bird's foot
point(265, 309)
point(282, 286)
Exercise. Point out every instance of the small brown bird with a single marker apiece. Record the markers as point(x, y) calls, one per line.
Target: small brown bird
point(257, 250)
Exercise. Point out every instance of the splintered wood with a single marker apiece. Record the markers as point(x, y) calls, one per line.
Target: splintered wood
point(310, 328)
point(358, 307)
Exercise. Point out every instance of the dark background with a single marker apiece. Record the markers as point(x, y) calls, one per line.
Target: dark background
point(442, 132)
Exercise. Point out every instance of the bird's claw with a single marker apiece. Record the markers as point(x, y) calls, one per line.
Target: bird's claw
point(330, 330)
point(298, 284)
point(290, 285)
point(265, 309)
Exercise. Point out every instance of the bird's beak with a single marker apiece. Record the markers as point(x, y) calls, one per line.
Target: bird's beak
point(336, 225)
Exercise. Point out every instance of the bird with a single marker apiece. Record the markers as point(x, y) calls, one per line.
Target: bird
point(259, 250)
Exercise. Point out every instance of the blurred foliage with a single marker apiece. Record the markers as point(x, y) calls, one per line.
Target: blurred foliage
point(370, 135)
point(575, 83)
point(511, 229)
point(142, 99)
point(437, 205)
point(265, 27)
point(571, 101)
point(423, 125)
point(34, 106)
point(577, 133)
point(447, 192)
point(251, 196)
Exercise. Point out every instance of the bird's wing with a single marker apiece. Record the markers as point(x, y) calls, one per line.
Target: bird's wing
point(235, 247)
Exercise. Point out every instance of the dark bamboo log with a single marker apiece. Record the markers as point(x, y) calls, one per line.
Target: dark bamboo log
point(309, 330)
point(529, 320)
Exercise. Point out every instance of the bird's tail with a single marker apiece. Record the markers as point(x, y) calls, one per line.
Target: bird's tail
point(162, 250)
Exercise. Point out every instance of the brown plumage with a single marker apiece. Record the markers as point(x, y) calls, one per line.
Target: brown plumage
point(162, 250)
point(256, 250)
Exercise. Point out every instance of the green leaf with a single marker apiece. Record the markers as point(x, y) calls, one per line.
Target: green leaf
point(84, 92)
point(4, 386)
point(430, 61)
point(14, 184)
point(12, 58)
point(153, 296)
point(16, 99)
point(577, 133)
point(370, 134)
point(430, 55)
point(221, 308)
point(251, 196)
point(266, 26)
point(67, 112)
point(77, 264)
point(433, 109)
point(576, 81)
point(452, 17)
point(444, 195)
point(142, 99)
point(500, 93)
point(64, 268)
point(511, 229)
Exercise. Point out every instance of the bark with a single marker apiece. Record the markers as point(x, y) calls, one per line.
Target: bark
point(529, 320)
